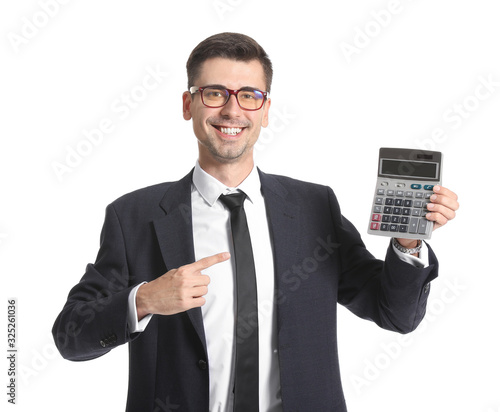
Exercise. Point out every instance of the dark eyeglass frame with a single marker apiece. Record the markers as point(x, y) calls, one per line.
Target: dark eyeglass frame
point(229, 93)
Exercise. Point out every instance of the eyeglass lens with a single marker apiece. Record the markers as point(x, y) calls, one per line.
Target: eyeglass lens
point(248, 99)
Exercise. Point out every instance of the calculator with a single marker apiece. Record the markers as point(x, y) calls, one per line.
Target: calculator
point(405, 181)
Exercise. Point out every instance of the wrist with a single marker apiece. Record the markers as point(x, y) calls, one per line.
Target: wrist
point(141, 302)
point(408, 246)
point(408, 243)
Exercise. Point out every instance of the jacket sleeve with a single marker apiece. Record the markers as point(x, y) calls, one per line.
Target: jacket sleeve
point(391, 293)
point(94, 318)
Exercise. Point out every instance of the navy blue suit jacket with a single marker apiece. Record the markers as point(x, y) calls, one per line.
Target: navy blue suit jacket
point(319, 259)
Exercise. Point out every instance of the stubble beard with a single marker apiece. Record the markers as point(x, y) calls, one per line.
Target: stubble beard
point(226, 152)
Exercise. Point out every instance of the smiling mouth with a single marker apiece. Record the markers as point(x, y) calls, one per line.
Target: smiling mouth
point(229, 131)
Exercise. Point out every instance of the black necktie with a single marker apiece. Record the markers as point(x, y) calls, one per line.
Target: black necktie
point(246, 381)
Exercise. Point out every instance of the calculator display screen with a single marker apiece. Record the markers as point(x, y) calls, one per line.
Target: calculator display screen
point(424, 170)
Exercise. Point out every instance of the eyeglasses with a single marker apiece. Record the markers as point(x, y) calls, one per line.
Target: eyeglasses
point(215, 96)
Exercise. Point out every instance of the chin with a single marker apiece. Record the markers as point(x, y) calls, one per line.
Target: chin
point(229, 156)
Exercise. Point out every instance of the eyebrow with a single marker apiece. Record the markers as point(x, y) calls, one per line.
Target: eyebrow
point(221, 86)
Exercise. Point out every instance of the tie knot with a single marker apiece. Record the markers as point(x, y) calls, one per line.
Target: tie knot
point(234, 200)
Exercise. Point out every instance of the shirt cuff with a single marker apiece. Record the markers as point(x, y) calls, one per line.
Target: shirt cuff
point(134, 324)
point(422, 261)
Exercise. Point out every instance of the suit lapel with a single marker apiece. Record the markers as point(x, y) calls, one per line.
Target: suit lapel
point(174, 232)
point(284, 224)
point(283, 217)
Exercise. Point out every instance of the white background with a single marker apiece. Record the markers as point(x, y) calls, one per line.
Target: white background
point(418, 64)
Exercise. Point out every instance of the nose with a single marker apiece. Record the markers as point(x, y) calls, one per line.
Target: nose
point(232, 107)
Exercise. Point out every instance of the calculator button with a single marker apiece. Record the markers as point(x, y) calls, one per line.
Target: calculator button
point(403, 228)
point(418, 203)
point(393, 228)
point(398, 202)
point(380, 191)
point(400, 193)
point(416, 212)
point(389, 201)
point(408, 194)
point(379, 200)
point(405, 220)
point(408, 203)
point(384, 227)
point(406, 211)
point(419, 195)
point(400, 185)
point(395, 219)
point(376, 217)
point(374, 226)
point(428, 187)
point(384, 184)
point(416, 186)
point(422, 226)
point(386, 218)
point(390, 193)
point(413, 225)
point(397, 211)
point(377, 209)
point(388, 210)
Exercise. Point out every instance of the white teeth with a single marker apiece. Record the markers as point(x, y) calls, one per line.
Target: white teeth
point(230, 130)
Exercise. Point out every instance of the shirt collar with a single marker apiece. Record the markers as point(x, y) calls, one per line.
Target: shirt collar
point(210, 188)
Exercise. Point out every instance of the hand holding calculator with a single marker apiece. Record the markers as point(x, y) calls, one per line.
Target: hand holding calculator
point(404, 186)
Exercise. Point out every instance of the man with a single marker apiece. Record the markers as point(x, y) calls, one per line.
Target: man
point(164, 282)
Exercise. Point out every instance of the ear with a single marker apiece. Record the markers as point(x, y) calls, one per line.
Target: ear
point(265, 114)
point(187, 99)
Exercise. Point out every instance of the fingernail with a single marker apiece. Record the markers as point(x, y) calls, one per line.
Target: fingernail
point(430, 206)
point(433, 198)
point(437, 188)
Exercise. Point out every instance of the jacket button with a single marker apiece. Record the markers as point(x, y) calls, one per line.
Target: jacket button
point(202, 364)
point(427, 287)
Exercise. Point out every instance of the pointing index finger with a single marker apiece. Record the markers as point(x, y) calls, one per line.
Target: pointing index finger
point(208, 261)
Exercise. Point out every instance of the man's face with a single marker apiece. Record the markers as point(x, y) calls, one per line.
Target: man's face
point(211, 125)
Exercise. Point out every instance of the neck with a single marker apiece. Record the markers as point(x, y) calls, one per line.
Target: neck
point(229, 173)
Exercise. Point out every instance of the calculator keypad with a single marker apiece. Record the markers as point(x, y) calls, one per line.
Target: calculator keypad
point(398, 212)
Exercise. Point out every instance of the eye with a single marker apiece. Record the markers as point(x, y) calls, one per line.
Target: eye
point(247, 95)
point(213, 93)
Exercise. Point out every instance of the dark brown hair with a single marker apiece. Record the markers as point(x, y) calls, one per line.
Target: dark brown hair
point(234, 46)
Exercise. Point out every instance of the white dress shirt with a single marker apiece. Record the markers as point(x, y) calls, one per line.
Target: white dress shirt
point(211, 235)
